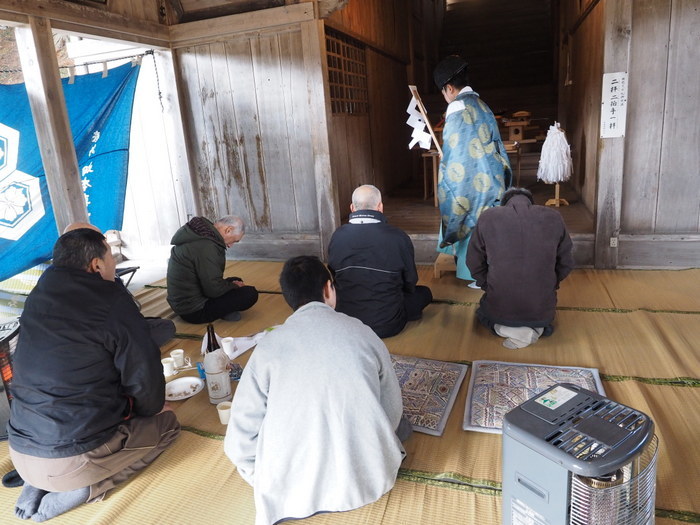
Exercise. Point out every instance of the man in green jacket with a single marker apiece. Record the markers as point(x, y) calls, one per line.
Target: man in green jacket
point(197, 289)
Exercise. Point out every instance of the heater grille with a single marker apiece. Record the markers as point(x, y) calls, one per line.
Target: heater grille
point(577, 434)
point(625, 497)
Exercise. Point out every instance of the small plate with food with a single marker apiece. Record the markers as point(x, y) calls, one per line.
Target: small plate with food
point(182, 388)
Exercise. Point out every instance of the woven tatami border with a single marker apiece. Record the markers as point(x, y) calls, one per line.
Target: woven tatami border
point(455, 481)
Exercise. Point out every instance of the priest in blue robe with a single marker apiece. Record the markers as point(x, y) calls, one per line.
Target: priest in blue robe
point(474, 170)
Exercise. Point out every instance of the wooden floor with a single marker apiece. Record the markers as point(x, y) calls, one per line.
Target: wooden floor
point(406, 208)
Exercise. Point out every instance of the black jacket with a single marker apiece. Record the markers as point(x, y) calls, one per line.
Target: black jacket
point(84, 362)
point(373, 264)
point(518, 254)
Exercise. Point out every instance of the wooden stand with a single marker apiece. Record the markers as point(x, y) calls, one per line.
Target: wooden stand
point(444, 263)
point(556, 201)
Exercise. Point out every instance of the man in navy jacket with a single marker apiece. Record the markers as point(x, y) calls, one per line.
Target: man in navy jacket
point(374, 268)
point(88, 409)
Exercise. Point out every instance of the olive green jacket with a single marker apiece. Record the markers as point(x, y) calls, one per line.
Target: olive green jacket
point(196, 266)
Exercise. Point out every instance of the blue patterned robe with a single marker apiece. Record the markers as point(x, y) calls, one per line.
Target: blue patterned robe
point(474, 173)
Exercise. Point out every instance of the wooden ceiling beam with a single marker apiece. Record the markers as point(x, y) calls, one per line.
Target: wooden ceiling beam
point(193, 33)
point(94, 21)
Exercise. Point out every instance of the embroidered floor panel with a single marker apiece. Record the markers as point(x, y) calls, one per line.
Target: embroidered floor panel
point(428, 389)
point(496, 387)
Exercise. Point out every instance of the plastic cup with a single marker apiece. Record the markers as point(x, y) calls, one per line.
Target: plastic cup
point(168, 366)
point(224, 410)
point(229, 346)
point(178, 356)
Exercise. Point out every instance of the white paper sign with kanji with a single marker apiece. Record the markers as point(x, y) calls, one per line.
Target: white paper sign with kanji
point(613, 114)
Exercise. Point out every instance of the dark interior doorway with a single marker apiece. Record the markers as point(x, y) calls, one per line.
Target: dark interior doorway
point(511, 47)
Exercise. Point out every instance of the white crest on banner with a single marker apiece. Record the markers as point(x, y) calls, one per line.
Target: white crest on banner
point(21, 205)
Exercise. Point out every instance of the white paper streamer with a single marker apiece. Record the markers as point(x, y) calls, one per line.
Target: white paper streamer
point(555, 160)
point(415, 120)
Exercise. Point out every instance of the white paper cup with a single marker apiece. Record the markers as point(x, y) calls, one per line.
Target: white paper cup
point(178, 356)
point(168, 366)
point(224, 410)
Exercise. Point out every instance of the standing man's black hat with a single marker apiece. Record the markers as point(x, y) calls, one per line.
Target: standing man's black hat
point(449, 68)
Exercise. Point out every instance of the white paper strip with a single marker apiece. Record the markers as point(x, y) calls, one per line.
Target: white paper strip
point(415, 120)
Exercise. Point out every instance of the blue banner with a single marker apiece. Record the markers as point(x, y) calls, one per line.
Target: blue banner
point(99, 110)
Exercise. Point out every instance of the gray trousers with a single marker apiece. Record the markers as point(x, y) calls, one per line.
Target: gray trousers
point(136, 443)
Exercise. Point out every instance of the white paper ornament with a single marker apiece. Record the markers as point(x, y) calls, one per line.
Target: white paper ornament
point(555, 159)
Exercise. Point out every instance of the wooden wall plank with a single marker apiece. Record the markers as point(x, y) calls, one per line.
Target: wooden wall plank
point(679, 191)
point(314, 49)
point(274, 135)
point(186, 60)
point(618, 22)
point(340, 161)
point(138, 9)
point(381, 23)
point(659, 251)
point(242, 78)
point(121, 7)
point(360, 151)
point(647, 95)
point(38, 57)
point(230, 181)
point(252, 132)
point(298, 129)
point(351, 150)
point(210, 137)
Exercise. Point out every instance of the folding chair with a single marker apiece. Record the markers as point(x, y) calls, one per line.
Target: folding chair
point(130, 271)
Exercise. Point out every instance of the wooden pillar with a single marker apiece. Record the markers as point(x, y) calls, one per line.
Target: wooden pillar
point(40, 67)
point(314, 45)
point(611, 151)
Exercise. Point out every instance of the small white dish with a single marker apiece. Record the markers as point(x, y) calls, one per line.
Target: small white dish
point(182, 388)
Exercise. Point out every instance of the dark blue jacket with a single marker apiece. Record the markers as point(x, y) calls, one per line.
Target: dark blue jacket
point(373, 264)
point(84, 362)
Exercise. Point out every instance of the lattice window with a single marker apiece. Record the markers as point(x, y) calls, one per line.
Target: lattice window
point(347, 74)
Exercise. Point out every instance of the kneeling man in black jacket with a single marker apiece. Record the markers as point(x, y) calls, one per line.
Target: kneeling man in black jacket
point(88, 409)
point(374, 268)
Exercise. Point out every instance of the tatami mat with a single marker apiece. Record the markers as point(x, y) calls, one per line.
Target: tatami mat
point(590, 289)
point(189, 483)
point(640, 329)
point(638, 343)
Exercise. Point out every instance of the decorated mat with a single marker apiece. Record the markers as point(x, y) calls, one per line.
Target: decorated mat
point(428, 390)
point(496, 387)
